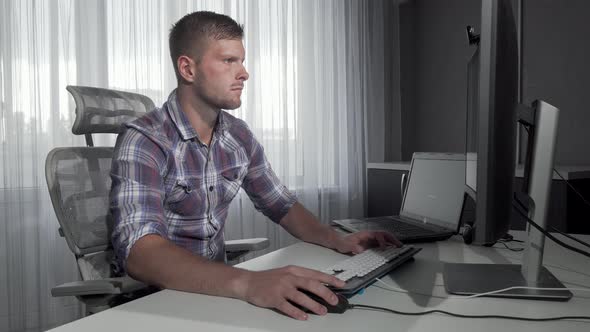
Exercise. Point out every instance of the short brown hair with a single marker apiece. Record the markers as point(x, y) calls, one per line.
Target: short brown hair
point(189, 35)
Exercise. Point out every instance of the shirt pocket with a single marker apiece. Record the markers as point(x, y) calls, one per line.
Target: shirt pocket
point(231, 181)
point(232, 167)
point(186, 198)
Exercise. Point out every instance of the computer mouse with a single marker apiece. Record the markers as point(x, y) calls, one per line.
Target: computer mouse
point(338, 308)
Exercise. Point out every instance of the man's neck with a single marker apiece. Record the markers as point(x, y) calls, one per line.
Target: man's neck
point(201, 116)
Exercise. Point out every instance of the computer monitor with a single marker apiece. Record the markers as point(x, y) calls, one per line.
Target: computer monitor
point(492, 119)
point(493, 111)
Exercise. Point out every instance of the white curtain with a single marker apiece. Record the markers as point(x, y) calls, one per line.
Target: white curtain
point(311, 72)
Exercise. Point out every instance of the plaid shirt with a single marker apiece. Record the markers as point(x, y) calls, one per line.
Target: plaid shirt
point(165, 181)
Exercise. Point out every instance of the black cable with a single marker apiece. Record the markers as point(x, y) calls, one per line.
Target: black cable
point(420, 313)
point(564, 180)
point(509, 238)
point(549, 235)
point(577, 193)
point(508, 247)
point(513, 240)
point(583, 199)
point(572, 187)
point(570, 237)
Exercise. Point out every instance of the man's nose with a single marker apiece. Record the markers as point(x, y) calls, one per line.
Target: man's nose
point(243, 74)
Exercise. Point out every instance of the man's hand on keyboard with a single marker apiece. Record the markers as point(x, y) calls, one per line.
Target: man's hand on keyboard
point(280, 289)
point(357, 242)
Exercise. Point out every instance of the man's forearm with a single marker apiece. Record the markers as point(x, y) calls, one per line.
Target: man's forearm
point(302, 224)
point(159, 262)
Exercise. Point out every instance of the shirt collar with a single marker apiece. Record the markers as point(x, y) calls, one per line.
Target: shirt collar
point(186, 130)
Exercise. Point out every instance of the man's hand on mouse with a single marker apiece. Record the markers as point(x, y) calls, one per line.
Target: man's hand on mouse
point(280, 289)
point(358, 242)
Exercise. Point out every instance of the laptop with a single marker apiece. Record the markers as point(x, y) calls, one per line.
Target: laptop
point(431, 205)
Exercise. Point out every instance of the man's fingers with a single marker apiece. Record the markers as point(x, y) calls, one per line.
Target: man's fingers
point(291, 311)
point(292, 290)
point(392, 239)
point(382, 237)
point(315, 289)
point(304, 300)
point(315, 275)
point(381, 240)
point(357, 249)
point(356, 243)
point(364, 235)
point(309, 290)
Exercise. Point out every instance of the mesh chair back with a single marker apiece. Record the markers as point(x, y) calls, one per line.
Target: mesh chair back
point(79, 177)
point(104, 110)
point(79, 182)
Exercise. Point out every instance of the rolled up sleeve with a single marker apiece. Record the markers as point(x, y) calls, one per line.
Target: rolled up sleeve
point(136, 197)
point(264, 188)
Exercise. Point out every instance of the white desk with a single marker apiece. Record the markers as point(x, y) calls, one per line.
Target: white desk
point(177, 311)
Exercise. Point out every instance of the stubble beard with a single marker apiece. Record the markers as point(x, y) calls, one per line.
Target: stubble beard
point(217, 103)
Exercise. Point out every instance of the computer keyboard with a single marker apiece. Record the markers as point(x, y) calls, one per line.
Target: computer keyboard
point(361, 270)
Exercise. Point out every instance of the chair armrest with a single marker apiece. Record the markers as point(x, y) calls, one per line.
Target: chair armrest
point(87, 287)
point(246, 244)
point(98, 287)
point(128, 284)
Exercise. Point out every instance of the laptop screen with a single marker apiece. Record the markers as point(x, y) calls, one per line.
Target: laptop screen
point(435, 191)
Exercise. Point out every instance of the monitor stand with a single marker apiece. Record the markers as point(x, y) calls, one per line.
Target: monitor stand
point(470, 279)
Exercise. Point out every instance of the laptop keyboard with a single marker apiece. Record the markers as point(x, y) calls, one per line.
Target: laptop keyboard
point(402, 228)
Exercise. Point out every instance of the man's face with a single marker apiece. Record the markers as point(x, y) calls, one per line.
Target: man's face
point(220, 75)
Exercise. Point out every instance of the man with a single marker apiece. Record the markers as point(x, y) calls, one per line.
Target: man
point(176, 170)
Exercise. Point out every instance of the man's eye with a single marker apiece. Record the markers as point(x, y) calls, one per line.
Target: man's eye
point(228, 60)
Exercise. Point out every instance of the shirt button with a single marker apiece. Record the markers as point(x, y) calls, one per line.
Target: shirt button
point(211, 188)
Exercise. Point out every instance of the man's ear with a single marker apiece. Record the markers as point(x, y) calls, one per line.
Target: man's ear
point(186, 68)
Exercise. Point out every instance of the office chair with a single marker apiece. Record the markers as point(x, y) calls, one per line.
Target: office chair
point(78, 179)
